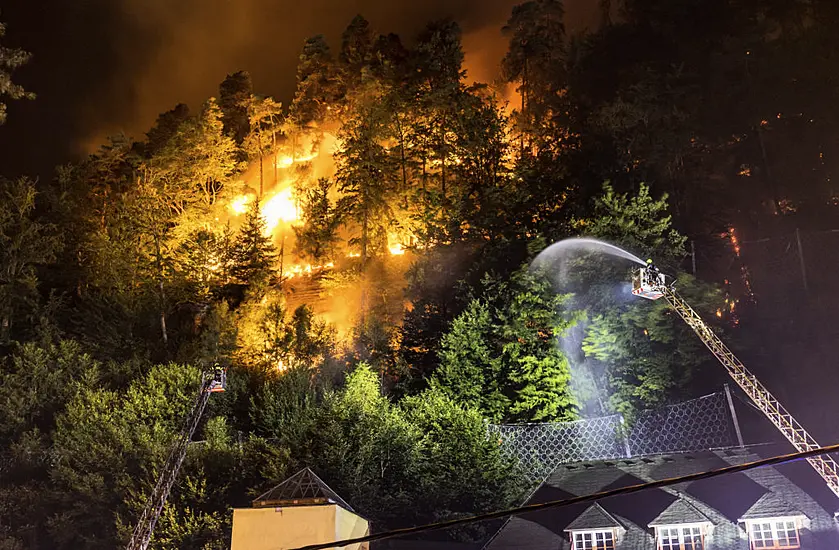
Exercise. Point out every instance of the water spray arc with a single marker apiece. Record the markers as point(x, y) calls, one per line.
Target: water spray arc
point(556, 260)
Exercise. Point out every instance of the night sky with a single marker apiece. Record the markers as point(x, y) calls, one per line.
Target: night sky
point(105, 66)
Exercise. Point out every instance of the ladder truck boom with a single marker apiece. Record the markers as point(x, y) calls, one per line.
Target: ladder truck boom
point(140, 538)
point(650, 283)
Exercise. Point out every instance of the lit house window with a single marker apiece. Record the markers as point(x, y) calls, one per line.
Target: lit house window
point(680, 537)
point(594, 540)
point(774, 533)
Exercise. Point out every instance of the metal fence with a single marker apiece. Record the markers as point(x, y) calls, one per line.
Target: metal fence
point(703, 423)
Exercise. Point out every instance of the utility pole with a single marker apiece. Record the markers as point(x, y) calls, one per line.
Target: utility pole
point(801, 259)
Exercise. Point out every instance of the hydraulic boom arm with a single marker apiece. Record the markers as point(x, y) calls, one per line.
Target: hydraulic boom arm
point(650, 284)
point(154, 505)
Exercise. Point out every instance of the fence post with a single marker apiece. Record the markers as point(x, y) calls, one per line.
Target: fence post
point(625, 437)
point(801, 258)
point(733, 415)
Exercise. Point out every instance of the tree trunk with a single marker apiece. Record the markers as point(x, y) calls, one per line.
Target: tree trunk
point(364, 239)
point(274, 147)
point(162, 293)
point(261, 171)
point(282, 257)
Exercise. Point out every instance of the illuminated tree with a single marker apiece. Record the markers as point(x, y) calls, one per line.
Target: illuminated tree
point(470, 370)
point(437, 61)
point(365, 180)
point(253, 252)
point(264, 123)
point(643, 354)
point(502, 353)
point(235, 95)
point(316, 83)
point(535, 60)
point(11, 59)
point(318, 235)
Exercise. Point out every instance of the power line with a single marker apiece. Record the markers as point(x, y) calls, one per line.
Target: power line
point(780, 459)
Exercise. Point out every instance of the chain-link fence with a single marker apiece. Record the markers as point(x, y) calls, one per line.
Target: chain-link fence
point(704, 423)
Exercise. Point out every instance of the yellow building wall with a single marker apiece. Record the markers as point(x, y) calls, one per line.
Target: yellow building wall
point(350, 526)
point(294, 526)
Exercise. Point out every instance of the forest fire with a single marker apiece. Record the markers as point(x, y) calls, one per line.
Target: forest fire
point(240, 204)
point(286, 161)
point(279, 208)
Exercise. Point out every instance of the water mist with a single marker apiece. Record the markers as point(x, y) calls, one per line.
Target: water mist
point(560, 261)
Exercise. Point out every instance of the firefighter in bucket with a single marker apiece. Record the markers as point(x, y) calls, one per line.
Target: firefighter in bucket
point(648, 282)
point(219, 381)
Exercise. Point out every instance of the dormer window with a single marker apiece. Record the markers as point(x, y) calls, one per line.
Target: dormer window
point(680, 537)
point(594, 540)
point(774, 533)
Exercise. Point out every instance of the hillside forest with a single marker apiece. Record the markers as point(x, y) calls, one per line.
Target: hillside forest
point(358, 260)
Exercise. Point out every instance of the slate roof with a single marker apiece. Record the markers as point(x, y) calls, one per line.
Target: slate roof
point(721, 501)
point(595, 517)
point(681, 511)
point(304, 488)
point(770, 505)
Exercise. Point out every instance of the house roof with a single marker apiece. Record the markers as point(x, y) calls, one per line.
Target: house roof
point(770, 505)
point(681, 511)
point(594, 517)
point(304, 488)
point(722, 501)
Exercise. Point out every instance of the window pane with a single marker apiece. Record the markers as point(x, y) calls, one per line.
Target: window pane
point(594, 540)
point(692, 538)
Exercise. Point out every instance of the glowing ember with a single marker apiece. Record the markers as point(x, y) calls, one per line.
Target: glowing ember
point(744, 272)
point(279, 208)
point(240, 204)
point(308, 269)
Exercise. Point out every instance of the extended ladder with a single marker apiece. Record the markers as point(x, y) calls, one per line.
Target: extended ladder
point(649, 283)
point(154, 505)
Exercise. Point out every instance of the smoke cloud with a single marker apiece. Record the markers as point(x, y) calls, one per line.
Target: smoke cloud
point(102, 67)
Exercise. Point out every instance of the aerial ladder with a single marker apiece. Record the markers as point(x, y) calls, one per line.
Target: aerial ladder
point(650, 283)
point(211, 382)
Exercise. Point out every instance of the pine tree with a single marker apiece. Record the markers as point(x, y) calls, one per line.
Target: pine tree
point(501, 353)
point(318, 235)
point(365, 180)
point(165, 128)
point(356, 53)
point(538, 372)
point(643, 354)
point(235, 95)
point(11, 59)
point(317, 86)
point(536, 61)
point(470, 370)
point(25, 244)
point(253, 252)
